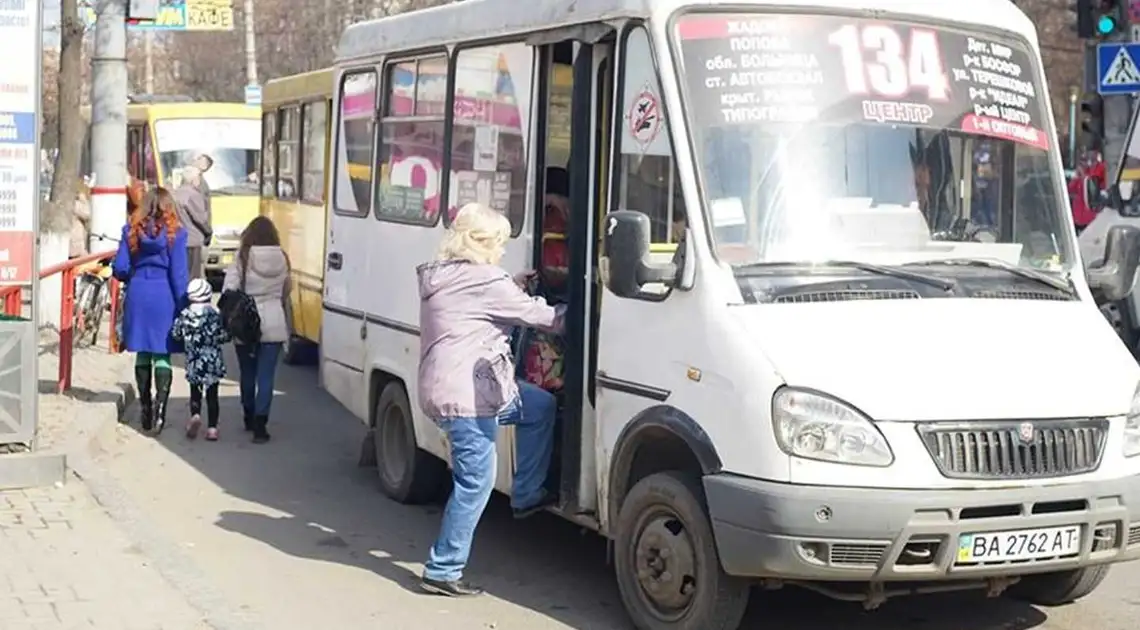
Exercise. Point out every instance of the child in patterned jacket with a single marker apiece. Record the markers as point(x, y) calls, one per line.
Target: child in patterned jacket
point(200, 328)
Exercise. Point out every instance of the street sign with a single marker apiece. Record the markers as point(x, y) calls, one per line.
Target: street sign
point(1117, 69)
point(19, 215)
point(253, 94)
point(177, 15)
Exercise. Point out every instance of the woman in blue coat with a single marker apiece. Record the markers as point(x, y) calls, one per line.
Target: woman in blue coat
point(152, 262)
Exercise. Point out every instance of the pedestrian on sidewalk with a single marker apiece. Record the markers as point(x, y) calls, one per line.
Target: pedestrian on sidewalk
point(468, 307)
point(194, 213)
point(260, 272)
point(152, 262)
point(200, 329)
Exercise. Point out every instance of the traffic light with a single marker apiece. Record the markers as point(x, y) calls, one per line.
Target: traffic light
point(1092, 120)
point(1099, 19)
point(1109, 17)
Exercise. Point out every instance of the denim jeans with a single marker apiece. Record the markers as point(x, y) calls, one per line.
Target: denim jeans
point(258, 365)
point(473, 463)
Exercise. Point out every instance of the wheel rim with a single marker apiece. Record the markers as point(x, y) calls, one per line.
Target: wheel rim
point(665, 562)
point(393, 440)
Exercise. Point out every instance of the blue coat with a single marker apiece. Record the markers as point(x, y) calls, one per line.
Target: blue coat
point(156, 278)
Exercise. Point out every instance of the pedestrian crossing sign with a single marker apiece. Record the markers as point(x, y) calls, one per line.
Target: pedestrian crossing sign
point(1118, 71)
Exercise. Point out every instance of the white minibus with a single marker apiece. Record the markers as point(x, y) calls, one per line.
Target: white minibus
point(829, 325)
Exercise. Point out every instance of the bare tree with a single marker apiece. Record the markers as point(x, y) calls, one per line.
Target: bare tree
point(56, 214)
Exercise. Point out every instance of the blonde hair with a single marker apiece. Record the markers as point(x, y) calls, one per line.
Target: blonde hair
point(478, 235)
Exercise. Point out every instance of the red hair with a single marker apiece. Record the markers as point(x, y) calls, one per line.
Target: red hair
point(155, 213)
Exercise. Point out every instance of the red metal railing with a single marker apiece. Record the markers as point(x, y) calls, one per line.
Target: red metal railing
point(13, 300)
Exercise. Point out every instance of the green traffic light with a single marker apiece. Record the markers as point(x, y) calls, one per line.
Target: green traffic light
point(1106, 25)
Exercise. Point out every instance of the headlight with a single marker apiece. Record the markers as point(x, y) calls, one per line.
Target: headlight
point(814, 426)
point(1132, 427)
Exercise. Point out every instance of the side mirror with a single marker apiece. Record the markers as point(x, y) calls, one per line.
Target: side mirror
point(1115, 276)
point(627, 267)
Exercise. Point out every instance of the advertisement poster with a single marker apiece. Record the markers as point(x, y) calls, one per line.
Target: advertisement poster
point(19, 164)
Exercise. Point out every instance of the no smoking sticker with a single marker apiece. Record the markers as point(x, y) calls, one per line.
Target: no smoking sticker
point(644, 118)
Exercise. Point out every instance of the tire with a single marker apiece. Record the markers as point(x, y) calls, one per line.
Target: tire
point(81, 315)
point(670, 506)
point(408, 474)
point(1060, 588)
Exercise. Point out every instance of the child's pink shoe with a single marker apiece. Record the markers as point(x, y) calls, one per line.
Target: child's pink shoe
point(212, 434)
point(193, 426)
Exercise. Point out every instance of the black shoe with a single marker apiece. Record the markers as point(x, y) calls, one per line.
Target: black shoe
point(146, 416)
point(146, 404)
point(260, 435)
point(247, 418)
point(162, 382)
point(454, 588)
point(548, 499)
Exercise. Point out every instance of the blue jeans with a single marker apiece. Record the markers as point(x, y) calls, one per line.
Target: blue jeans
point(473, 463)
point(258, 365)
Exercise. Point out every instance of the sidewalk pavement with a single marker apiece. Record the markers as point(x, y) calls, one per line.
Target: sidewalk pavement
point(66, 564)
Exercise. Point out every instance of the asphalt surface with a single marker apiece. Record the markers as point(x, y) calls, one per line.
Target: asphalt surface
point(294, 534)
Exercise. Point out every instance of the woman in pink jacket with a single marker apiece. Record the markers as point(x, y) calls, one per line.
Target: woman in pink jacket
point(468, 309)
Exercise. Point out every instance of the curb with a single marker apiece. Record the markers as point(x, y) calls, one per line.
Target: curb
point(36, 469)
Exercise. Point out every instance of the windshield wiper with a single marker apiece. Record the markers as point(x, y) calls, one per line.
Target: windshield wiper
point(1061, 284)
point(878, 270)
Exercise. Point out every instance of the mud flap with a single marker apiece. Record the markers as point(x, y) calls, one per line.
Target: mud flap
point(368, 450)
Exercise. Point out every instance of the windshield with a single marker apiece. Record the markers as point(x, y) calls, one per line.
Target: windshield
point(837, 138)
point(233, 145)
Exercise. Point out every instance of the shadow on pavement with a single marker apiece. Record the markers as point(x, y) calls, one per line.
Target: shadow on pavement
point(334, 513)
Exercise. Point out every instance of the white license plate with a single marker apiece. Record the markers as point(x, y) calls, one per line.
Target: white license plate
point(1022, 544)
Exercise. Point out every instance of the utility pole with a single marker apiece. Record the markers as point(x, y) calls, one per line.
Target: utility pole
point(109, 88)
point(250, 45)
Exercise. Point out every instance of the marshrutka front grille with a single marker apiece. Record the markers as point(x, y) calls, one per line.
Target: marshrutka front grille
point(1014, 449)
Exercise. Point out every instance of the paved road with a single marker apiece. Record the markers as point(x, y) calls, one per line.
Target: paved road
point(295, 535)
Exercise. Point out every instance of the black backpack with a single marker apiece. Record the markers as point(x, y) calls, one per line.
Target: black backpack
point(239, 313)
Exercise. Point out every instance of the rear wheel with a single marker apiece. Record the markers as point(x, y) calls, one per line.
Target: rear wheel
point(84, 332)
point(1060, 588)
point(668, 572)
point(408, 474)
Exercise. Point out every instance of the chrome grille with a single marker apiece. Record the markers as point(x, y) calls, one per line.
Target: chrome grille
point(1134, 536)
point(1015, 450)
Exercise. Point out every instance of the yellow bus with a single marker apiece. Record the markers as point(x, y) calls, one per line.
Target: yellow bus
point(163, 135)
point(295, 140)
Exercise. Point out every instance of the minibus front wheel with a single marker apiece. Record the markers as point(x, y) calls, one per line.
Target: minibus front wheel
point(1061, 587)
point(668, 572)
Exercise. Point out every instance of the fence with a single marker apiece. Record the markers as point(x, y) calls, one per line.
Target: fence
point(13, 301)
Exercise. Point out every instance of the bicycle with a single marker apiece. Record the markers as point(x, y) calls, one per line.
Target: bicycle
point(92, 299)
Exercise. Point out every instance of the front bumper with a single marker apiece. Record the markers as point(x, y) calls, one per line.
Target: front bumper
point(813, 533)
point(219, 256)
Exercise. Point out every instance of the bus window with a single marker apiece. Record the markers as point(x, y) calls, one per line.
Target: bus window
point(135, 135)
point(488, 142)
point(269, 155)
point(353, 193)
point(411, 142)
point(288, 141)
point(647, 174)
point(314, 118)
